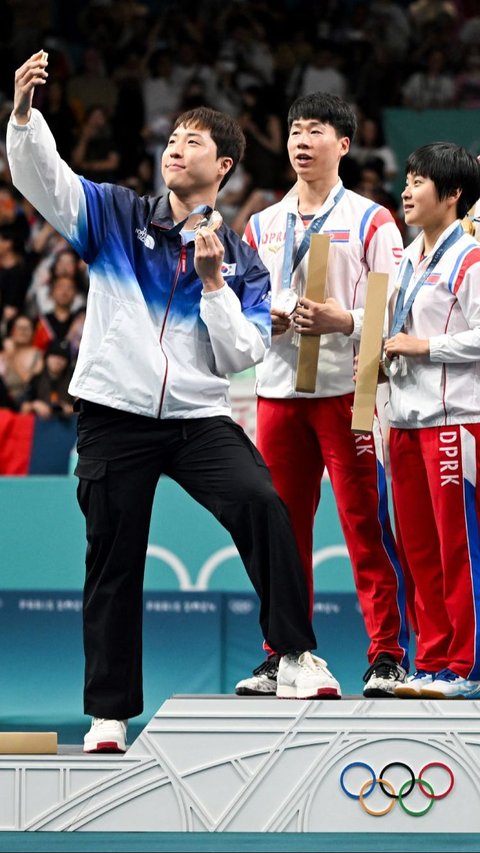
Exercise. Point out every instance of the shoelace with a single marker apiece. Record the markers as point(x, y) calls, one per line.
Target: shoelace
point(268, 667)
point(421, 673)
point(311, 662)
point(447, 675)
point(383, 669)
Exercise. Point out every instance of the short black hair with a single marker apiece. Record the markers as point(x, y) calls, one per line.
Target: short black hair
point(57, 347)
point(226, 133)
point(329, 109)
point(13, 232)
point(451, 167)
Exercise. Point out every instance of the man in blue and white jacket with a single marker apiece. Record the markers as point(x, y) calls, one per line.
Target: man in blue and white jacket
point(170, 312)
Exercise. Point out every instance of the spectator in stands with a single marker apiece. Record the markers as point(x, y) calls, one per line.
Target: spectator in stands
point(92, 86)
point(371, 178)
point(56, 324)
point(61, 117)
point(14, 274)
point(20, 360)
point(370, 143)
point(227, 96)
point(263, 160)
point(47, 394)
point(432, 87)
point(127, 135)
point(5, 110)
point(379, 81)
point(320, 74)
point(469, 32)
point(63, 261)
point(161, 98)
point(388, 24)
point(244, 44)
point(68, 262)
point(188, 64)
point(95, 155)
point(428, 13)
point(11, 210)
point(467, 81)
point(231, 197)
point(258, 199)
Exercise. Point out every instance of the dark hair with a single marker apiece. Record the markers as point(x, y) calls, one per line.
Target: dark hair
point(13, 232)
point(224, 130)
point(56, 347)
point(451, 168)
point(329, 109)
point(11, 323)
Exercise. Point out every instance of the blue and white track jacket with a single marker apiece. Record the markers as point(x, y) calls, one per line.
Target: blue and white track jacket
point(153, 344)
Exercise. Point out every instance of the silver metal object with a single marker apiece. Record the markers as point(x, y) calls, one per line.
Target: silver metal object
point(285, 300)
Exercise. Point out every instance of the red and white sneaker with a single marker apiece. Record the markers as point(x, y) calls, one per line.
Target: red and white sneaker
point(106, 736)
point(304, 676)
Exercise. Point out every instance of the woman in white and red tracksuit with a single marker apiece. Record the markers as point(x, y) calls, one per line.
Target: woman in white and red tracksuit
point(433, 362)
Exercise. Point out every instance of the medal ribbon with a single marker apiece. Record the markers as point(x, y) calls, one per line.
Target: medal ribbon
point(202, 208)
point(289, 267)
point(402, 308)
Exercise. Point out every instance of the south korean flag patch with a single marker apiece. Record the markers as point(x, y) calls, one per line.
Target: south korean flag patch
point(228, 269)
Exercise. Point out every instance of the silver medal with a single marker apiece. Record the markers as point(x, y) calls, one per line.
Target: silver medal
point(285, 300)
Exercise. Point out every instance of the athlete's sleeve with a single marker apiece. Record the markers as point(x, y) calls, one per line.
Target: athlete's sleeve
point(252, 232)
point(45, 179)
point(462, 346)
point(382, 244)
point(239, 326)
point(383, 250)
point(51, 186)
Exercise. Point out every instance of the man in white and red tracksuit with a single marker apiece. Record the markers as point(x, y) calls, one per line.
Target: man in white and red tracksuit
point(302, 434)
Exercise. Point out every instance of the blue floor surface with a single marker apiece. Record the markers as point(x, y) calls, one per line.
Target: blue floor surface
point(197, 842)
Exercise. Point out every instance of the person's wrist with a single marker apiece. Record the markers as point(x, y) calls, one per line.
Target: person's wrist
point(22, 117)
point(348, 325)
point(212, 284)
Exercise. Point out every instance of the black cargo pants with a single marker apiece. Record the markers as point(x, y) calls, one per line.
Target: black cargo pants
point(121, 457)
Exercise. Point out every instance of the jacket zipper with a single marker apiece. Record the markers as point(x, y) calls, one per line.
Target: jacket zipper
point(181, 267)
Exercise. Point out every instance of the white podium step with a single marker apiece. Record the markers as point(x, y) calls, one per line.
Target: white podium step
point(248, 764)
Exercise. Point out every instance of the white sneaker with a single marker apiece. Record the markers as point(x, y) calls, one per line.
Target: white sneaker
point(448, 685)
point(304, 676)
point(106, 736)
point(263, 682)
point(414, 684)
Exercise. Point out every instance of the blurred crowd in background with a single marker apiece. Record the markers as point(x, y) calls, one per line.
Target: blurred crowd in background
point(121, 71)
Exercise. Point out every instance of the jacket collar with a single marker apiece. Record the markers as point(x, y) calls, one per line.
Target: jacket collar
point(160, 212)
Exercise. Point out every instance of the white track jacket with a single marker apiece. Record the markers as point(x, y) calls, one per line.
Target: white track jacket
point(153, 343)
point(444, 387)
point(363, 238)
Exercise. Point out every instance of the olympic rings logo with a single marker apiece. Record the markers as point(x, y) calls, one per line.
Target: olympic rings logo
point(405, 789)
